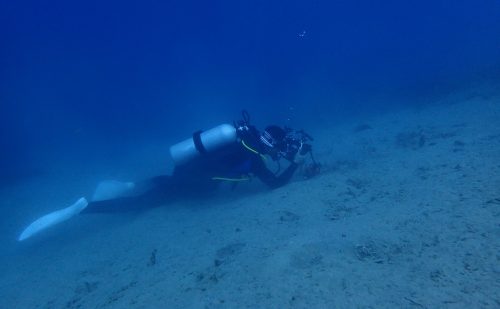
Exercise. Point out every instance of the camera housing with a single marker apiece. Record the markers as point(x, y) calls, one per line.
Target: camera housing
point(295, 142)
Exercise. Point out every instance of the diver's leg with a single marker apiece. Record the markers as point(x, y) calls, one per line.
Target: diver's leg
point(146, 194)
point(150, 193)
point(112, 189)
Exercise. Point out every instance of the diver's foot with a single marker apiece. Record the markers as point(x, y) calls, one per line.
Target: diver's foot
point(53, 218)
point(111, 189)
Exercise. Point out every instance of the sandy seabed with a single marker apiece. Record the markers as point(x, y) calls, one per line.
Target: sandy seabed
point(405, 214)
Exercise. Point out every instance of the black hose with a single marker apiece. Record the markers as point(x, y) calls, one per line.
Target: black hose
point(246, 116)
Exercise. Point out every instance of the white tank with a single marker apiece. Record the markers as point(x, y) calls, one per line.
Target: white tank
point(209, 141)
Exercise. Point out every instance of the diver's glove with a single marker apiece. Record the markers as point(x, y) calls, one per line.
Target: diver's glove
point(300, 158)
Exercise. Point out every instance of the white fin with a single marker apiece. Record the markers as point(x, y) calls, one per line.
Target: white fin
point(53, 218)
point(110, 189)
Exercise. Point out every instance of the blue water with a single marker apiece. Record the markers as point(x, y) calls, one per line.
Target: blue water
point(75, 73)
point(87, 83)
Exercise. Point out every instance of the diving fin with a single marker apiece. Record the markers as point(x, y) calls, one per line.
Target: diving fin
point(53, 218)
point(110, 189)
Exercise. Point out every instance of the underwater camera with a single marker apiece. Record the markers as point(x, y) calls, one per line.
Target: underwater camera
point(297, 142)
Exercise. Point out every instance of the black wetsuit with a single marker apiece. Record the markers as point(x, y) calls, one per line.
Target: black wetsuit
point(201, 176)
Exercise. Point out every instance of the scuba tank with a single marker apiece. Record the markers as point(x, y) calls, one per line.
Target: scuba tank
point(203, 142)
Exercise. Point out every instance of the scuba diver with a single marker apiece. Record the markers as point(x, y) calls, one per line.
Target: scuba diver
point(225, 153)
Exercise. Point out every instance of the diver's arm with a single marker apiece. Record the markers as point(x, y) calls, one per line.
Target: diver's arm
point(269, 178)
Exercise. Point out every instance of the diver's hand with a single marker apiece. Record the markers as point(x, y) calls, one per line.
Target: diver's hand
point(300, 158)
